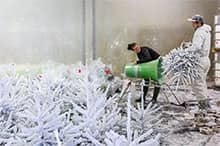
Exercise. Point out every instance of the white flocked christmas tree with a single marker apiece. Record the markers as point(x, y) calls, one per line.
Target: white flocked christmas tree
point(67, 105)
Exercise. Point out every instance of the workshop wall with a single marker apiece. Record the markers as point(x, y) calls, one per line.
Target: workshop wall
point(159, 24)
point(35, 31)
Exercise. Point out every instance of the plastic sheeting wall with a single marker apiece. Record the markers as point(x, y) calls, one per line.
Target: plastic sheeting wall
point(34, 31)
point(160, 24)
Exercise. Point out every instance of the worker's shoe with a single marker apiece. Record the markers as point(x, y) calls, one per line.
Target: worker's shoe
point(139, 100)
point(153, 101)
point(204, 105)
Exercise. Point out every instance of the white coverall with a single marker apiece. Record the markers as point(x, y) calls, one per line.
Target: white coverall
point(202, 43)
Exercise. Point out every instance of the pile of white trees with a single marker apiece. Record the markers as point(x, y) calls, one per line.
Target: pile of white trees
point(71, 105)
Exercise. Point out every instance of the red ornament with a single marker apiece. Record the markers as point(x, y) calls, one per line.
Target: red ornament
point(79, 71)
point(107, 71)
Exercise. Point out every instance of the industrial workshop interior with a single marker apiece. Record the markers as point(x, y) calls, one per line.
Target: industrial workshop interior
point(110, 73)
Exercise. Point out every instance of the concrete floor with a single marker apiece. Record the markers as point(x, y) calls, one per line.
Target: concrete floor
point(174, 119)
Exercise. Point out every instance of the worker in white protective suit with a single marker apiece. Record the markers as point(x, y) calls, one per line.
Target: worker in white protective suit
point(202, 44)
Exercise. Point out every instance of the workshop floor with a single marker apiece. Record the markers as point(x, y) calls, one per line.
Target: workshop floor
point(180, 127)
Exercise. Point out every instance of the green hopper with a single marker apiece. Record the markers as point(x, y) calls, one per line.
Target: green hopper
point(149, 70)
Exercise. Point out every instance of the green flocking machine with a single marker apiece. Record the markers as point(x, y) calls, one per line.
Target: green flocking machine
point(150, 70)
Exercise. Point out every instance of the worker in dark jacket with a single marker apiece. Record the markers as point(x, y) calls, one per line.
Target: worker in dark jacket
point(145, 54)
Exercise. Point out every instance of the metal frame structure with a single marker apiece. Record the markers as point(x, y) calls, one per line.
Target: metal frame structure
point(84, 32)
point(94, 29)
point(88, 6)
point(216, 50)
